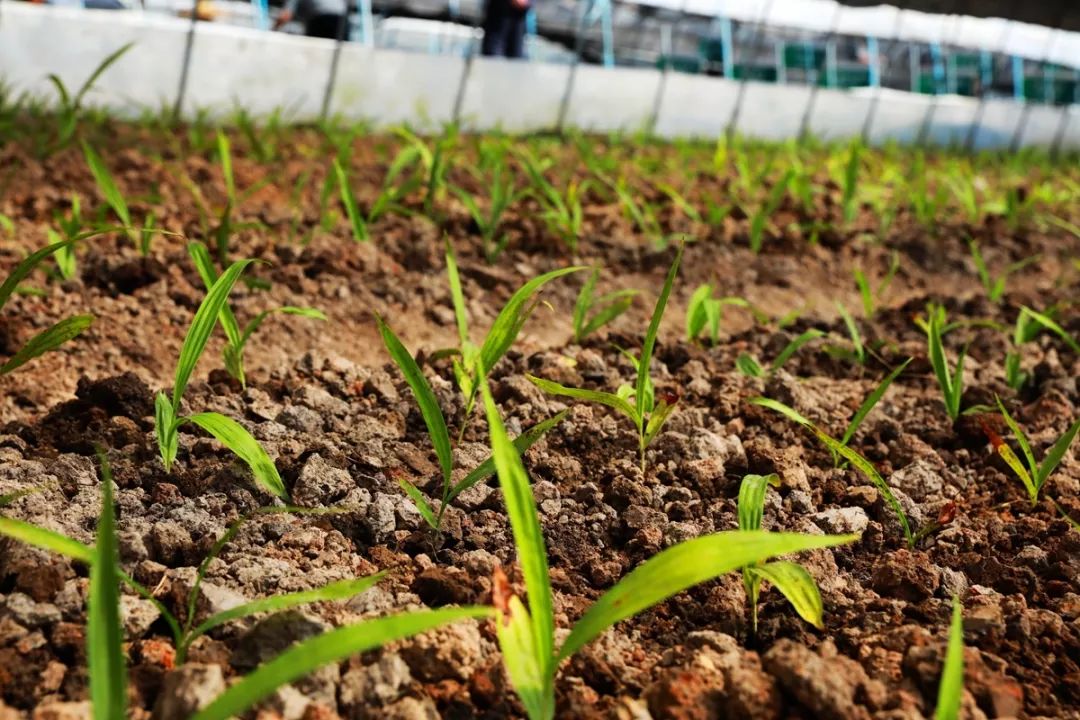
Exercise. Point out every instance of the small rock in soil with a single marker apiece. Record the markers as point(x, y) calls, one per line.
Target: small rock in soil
point(842, 520)
point(188, 689)
point(826, 686)
point(906, 575)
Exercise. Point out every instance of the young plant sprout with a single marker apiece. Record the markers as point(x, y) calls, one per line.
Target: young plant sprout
point(54, 336)
point(748, 365)
point(704, 312)
point(995, 286)
point(858, 351)
point(440, 436)
point(236, 338)
point(389, 199)
point(70, 228)
point(871, 296)
point(951, 383)
point(1028, 324)
point(857, 461)
point(502, 195)
point(105, 664)
point(526, 632)
point(645, 412)
point(850, 185)
point(107, 186)
point(562, 212)
point(435, 161)
point(167, 418)
point(1035, 475)
point(592, 313)
point(790, 578)
point(504, 331)
point(951, 689)
point(70, 107)
point(760, 219)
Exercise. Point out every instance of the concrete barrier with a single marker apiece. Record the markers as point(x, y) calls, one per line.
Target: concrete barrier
point(231, 67)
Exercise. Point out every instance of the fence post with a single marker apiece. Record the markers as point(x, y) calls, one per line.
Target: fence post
point(571, 77)
point(1025, 112)
point(759, 36)
point(830, 75)
point(986, 72)
point(331, 79)
point(181, 91)
point(875, 101)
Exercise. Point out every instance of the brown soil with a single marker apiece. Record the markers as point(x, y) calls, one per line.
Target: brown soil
point(341, 425)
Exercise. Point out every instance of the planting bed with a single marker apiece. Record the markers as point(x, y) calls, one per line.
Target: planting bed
point(342, 427)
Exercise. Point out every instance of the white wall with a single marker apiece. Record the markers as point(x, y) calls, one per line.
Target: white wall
point(234, 67)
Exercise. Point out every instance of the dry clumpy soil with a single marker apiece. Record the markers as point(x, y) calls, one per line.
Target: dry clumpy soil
point(341, 425)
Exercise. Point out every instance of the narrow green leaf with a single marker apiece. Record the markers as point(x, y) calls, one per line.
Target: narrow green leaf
point(682, 566)
point(951, 690)
point(584, 304)
point(857, 461)
point(508, 323)
point(596, 396)
point(657, 417)
point(643, 379)
point(27, 265)
point(101, 68)
point(356, 218)
point(104, 631)
point(333, 646)
point(853, 332)
point(1021, 438)
point(204, 265)
point(749, 366)
point(202, 325)
point(106, 185)
point(225, 157)
point(165, 429)
point(695, 311)
point(797, 585)
point(793, 347)
point(456, 295)
point(232, 435)
point(47, 340)
point(44, 539)
point(751, 502)
point(522, 443)
point(528, 676)
point(865, 293)
point(528, 537)
point(871, 400)
point(421, 503)
point(256, 322)
point(341, 590)
point(612, 306)
point(1055, 454)
point(1052, 326)
point(425, 398)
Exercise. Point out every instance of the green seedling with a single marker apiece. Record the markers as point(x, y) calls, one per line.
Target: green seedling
point(951, 689)
point(440, 435)
point(858, 351)
point(54, 336)
point(645, 412)
point(760, 219)
point(748, 365)
point(871, 296)
point(167, 418)
point(1074, 524)
point(995, 286)
point(963, 189)
point(504, 331)
point(679, 200)
point(592, 312)
point(389, 199)
point(502, 195)
point(107, 186)
point(704, 312)
point(951, 383)
point(850, 185)
point(237, 338)
point(526, 632)
point(790, 578)
point(70, 228)
point(435, 161)
point(106, 666)
point(857, 461)
point(562, 212)
point(641, 214)
point(1035, 475)
point(1028, 324)
point(867, 405)
point(70, 110)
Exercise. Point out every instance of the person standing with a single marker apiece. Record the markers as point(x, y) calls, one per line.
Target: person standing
point(319, 18)
point(504, 28)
